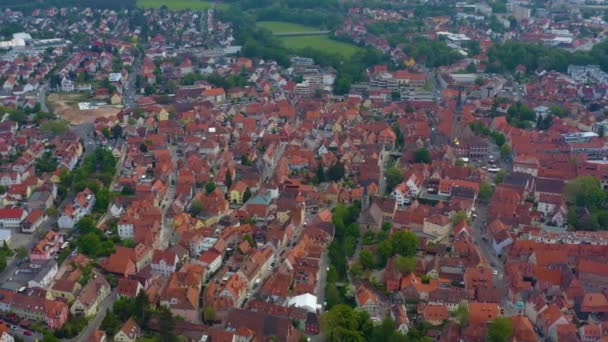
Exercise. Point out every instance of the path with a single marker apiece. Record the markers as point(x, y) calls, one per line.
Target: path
point(95, 322)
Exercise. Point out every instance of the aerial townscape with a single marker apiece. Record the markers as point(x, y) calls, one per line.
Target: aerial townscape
point(304, 170)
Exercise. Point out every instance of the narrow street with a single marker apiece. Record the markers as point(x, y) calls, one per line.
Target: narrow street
point(96, 321)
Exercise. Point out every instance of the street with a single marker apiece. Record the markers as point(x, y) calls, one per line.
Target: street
point(95, 322)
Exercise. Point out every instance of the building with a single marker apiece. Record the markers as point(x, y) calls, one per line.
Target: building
point(164, 263)
point(129, 332)
point(81, 206)
point(92, 294)
point(12, 217)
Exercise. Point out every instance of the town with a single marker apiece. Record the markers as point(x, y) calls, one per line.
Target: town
point(315, 171)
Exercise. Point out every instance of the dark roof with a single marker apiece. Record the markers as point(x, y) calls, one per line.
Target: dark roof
point(263, 324)
point(463, 192)
point(518, 179)
point(549, 185)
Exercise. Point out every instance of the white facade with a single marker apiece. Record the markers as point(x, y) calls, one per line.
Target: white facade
point(126, 230)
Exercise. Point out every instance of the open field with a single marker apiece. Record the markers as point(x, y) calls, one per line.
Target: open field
point(179, 4)
point(322, 43)
point(285, 27)
point(66, 106)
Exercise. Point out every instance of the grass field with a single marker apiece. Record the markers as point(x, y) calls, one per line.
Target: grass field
point(323, 43)
point(179, 4)
point(285, 27)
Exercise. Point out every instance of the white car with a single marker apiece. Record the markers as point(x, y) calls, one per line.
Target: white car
point(495, 272)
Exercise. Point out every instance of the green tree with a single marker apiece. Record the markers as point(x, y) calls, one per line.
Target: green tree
point(394, 176)
point(195, 207)
point(116, 131)
point(366, 259)
point(500, 176)
point(384, 250)
point(110, 323)
point(342, 323)
point(209, 314)
point(458, 217)
point(228, 180)
point(247, 194)
point(209, 187)
point(54, 127)
point(89, 244)
point(585, 191)
point(320, 174)
point(500, 330)
point(505, 152)
point(167, 325)
point(336, 172)
point(422, 155)
point(404, 243)
point(405, 264)
point(142, 314)
point(462, 315)
point(485, 191)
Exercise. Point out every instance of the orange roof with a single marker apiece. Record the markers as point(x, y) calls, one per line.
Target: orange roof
point(480, 313)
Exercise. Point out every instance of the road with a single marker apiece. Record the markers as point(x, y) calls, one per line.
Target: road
point(42, 97)
point(18, 331)
point(130, 89)
point(95, 322)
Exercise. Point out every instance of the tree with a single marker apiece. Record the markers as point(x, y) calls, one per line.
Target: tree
point(394, 176)
point(342, 323)
point(459, 162)
point(458, 217)
point(500, 176)
point(500, 330)
point(209, 187)
point(209, 314)
point(384, 250)
point(110, 323)
point(505, 152)
point(116, 131)
point(585, 191)
point(228, 180)
point(195, 207)
point(47, 163)
point(54, 127)
point(404, 243)
point(167, 325)
point(462, 315)
point(422, 155)
point(485, 191)
point(142, 314)
point(404, 264)
point(366, 259)
point(320, 174)
point(89, 244)
point(336, 171)
point(106, 132)
point(247, 194)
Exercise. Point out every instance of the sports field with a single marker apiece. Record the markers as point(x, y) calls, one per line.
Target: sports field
point(179, 4)
point(322, 43)
point(285, 27)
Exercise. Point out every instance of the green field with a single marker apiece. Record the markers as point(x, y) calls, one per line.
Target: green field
point(285, 27)
point(179, 4)
point(322, 43)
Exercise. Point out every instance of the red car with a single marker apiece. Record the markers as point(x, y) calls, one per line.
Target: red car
point(27, 333)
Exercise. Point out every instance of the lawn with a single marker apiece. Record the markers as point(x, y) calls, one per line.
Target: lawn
point(322, 43)
point(285, 27)
point(179, 4)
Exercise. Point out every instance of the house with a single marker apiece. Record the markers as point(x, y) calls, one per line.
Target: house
point(12, 217)
point(211, 260)
point(549, 319)
point(98, 336)
point(128, 287)
point(214, 95)
point(72, 213)
point(164, 262)
point(371, 218)
point(65, 288)
point(116, 99)
point(92, 294)
point(435, 314)
point(48, 246)
point(437, 226)
point(401, 194)
point(127, 261)
point(237, 191)
point(129, 332)
point(369, 302)
point(399, 315)
point(33, 221)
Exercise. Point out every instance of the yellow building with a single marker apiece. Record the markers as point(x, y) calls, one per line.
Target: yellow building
point(237, 192)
